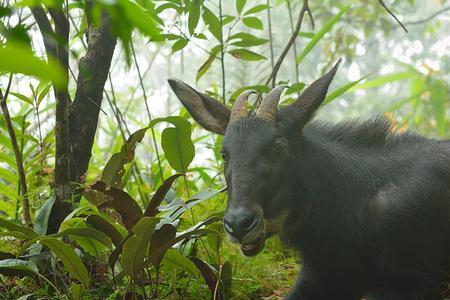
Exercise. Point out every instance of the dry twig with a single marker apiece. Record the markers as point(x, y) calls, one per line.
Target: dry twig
point(393, 15)
point(305, 9)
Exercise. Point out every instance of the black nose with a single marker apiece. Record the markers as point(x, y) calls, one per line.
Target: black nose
point(239, 223)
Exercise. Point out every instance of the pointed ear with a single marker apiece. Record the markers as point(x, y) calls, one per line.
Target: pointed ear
point(208, 112)
point(301, 111)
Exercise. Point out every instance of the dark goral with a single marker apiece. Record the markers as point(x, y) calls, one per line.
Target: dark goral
point(368, 208)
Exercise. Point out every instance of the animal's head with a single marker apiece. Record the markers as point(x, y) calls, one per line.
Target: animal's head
point(256, 150)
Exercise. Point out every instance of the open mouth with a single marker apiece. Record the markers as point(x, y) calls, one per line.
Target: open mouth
point(254, 247)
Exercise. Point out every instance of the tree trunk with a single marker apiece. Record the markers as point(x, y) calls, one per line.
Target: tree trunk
point(81, 117)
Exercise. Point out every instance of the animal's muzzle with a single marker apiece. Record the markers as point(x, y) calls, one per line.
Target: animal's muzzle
point(241, 223)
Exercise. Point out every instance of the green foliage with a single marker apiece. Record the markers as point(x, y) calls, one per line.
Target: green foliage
point(22, 60)
point(72, 262)
point(320, 34)
point(176, 143)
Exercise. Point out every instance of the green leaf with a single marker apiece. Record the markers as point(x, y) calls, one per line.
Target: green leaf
point(246, 40)
point(114, 256)
point(213, 23)
point(104, 226)
point(177, 143)
point(42, 95)
point(114, 169)
point(194, 15)
point(200, 36)
point(245, 54)
point(22, 60)
point(240, 5)
point(179, 149)
point(384, 79)
point(214, 241)
point(160, 238)
point(207, 64)
point(319, 35)
point(201, 196)
point(175, 259)
point(308, 35)
point(210, 276)
point(175, 6)
point(23, 98)
point(141, 19)
point(227, 19)
point(187, 235)
point(295, 88)
point(259, 88)
point(179, 44)
point(76, 291)
point(78, 227)
point(158, 197)
point(5, 11)
point(28, 232)
point(253, 22)
point(71, 261)
point(41, 223)
point(8, 175)
point(226, 279)
point(125, 205)
point(135, 248)
point(256, 9)
point(341, 90)
point(17, 267)
point(438, 101)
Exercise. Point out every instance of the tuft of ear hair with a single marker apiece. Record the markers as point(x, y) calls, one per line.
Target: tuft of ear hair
point(208, 112)
point(299, 113)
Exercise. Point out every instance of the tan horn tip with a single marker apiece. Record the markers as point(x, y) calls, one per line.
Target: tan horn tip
point(269, 106)
point(239, 109)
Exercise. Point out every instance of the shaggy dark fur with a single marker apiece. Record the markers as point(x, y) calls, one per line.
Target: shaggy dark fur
point(369, 211)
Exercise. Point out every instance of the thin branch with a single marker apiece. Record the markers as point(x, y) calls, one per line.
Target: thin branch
point(48, 34)
point(17, 153)
point(428, 18)
point(269, 21)
point(393, 15)
point(141, 81)
point(193, 42)
point(294, 46)
point(305, 9)
point(123, 127)
point(222, 53)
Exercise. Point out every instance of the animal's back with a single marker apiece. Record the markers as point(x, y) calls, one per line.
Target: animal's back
point(408, 207)
point(377, 142)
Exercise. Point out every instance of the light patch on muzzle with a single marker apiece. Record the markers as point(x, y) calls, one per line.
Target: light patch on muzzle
point(253, 242)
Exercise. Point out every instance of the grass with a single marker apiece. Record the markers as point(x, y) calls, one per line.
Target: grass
point(269, 275)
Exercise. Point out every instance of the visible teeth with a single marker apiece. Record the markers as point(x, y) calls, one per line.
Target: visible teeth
point(248, 246)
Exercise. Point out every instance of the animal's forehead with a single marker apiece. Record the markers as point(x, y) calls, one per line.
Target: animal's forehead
point(250, 132)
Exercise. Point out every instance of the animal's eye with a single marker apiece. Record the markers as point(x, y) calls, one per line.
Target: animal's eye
point(279, 147)
point(224, 155)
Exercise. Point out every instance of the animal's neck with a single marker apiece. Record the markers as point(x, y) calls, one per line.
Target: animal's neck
point(327, 173)
point(328, 182)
